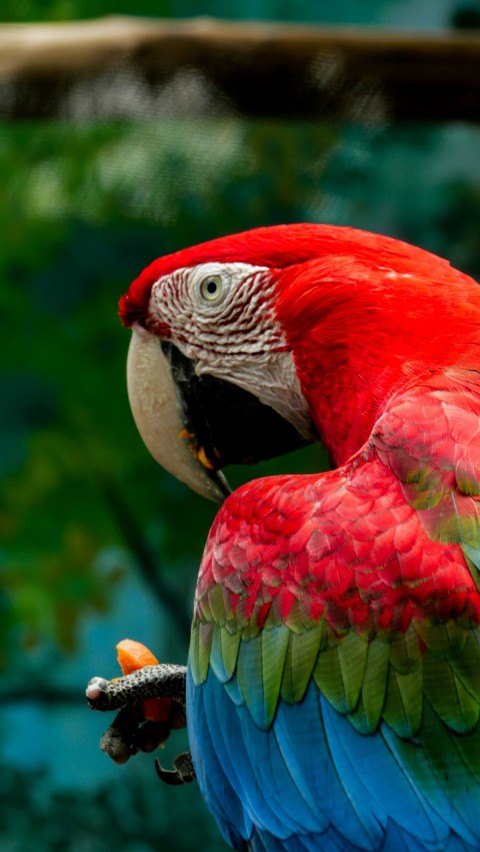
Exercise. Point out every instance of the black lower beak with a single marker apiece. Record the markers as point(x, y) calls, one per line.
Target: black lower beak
point(228, 425)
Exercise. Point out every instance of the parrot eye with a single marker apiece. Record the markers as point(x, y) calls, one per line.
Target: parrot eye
point(211, 288)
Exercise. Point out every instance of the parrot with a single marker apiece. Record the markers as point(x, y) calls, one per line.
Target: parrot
point(333, 682)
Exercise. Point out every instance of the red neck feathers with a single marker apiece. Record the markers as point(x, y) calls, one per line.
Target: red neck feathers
point(366, 319)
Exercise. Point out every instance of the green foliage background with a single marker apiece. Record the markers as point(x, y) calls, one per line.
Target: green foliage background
point(96, 542)
point(429, 13)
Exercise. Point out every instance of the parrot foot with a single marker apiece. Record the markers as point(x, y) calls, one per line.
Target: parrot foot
point(130, 732)
point(182, 772)
point(127, 735)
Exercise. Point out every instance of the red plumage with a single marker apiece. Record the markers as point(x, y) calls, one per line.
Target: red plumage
point(352, 593)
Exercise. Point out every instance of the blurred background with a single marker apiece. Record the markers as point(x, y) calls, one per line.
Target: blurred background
point(96, 542)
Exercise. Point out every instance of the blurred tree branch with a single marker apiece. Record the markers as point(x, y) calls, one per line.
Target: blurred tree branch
point(146, 560)
point(42, 693)
point(131, 67)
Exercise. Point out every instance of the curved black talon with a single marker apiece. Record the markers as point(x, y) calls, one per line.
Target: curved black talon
point(168, 776)
point(182, 773)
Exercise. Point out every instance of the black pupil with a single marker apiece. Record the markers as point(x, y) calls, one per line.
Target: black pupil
point(212, 287)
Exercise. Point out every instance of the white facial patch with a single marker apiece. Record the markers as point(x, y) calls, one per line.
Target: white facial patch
point(227, 326)
point(222, 317)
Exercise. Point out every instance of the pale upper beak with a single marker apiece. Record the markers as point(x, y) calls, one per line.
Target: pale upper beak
point(158, 413)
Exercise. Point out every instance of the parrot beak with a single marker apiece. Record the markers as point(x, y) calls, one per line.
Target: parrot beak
point(160, 418)
point(194, 425)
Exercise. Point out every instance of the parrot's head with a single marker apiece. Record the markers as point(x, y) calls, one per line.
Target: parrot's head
point(254, 344)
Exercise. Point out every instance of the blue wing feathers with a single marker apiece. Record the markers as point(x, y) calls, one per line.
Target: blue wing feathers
point(368, 761)
point(305, 747)
point(212, 777)
point(411, 757)
point(313, 782)
point(239, 759)
point(251, 756)
point(290, 806)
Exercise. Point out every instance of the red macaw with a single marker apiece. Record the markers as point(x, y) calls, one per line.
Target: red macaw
point(333, 685)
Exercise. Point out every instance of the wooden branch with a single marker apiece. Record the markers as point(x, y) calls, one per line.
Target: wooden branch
point(123, 67)
point(41, 693)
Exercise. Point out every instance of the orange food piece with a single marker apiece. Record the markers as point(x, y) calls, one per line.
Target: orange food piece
point(132, 656)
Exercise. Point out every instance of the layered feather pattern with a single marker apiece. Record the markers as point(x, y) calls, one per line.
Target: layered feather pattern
point(334, 687)
point(334, 680)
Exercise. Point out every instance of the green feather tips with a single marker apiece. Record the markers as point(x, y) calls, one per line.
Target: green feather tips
point(199, 654)
point(216, 656)
point(406, 652)
point(300, 660)
point(367, 714)
point(259, 672)
point(450, 699)
point(339, 672)
point(274, 662)
point(403, 706)
point(217, 604)
point(369, 680)
point(444, 640)
point(467, 665)
point(229, 644)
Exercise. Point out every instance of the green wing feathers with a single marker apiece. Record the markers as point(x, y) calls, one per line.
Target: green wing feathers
point(367, 680)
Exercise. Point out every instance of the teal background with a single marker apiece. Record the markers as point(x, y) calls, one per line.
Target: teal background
point(96, 542)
